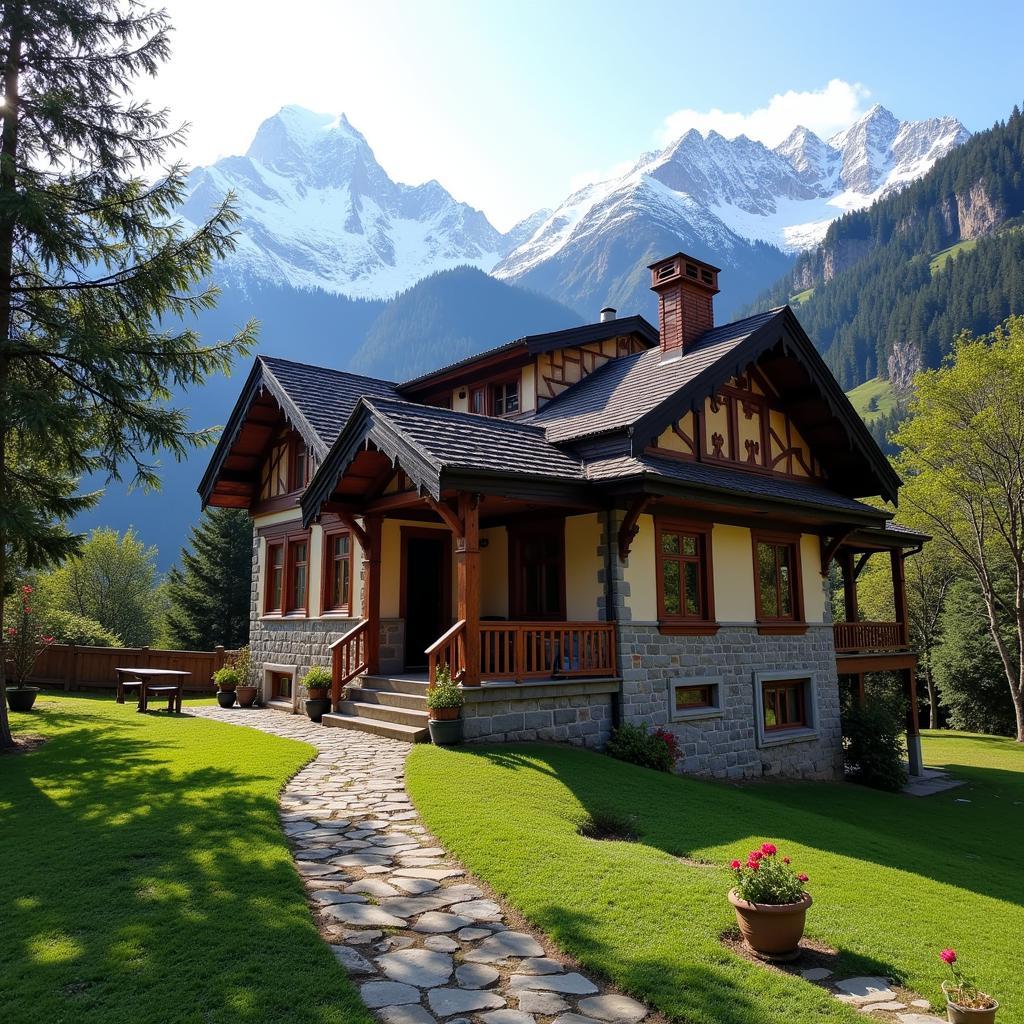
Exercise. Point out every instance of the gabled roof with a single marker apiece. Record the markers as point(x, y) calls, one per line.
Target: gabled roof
point(431, 443)
point(536, 344)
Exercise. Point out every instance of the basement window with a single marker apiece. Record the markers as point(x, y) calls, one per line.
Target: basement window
point(785, 707)
point(694, 698)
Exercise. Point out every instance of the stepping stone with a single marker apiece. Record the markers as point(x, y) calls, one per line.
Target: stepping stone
point(888, 1005)
point(507, 1017)
point(410, 906)
point(374, 886)
point(424, 968)
point(414, 886)
point(478, 910)
point(866, 990)
point(364, 914)
point(472, 934)
point(545, 1003)
point(313, 854)
point(446, 1001)
point(436, 922)
point(441, 943)
point(476, 976)
point(437, 874)
point(921, 1004)
point(361, 860)
point(361, 937)
point(572, 984)
point(816, 974)
point(328, 897)
point(377, 869)
point(574, 1018)
point(540, 965)
point(461, 893)
point(918, 1018)
point(405, 1015)
point(353, 962)
point(388, 993)
point(315, 870)
point(503, 945)
point(613, 1007)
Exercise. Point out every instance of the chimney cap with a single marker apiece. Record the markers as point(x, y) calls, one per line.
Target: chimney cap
point(680, 267)
point(684, 256)
point(608, 313)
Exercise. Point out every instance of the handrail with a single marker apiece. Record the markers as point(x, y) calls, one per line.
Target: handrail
point(348, 659)
point(520, 650)
point(448, 649)
point(866, 636)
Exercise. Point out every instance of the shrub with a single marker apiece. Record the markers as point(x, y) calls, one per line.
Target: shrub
point(873, 739)
point(768, 878)
point(317, 678)
point(70, 628)
point(228, 678)
point(658, 750)
point(444, 693)
point(241, 662)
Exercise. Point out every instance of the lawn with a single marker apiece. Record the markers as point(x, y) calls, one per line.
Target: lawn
point(895, 878)
point(146, 878)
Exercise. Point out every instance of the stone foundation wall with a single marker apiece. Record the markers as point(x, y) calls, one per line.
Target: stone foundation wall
point(576, 713)
point(725, 742)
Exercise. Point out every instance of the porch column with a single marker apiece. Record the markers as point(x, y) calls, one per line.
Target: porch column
point(467, 548)
point(899, 593)
point(371, 592)
point(913, 728)
point(849, 586)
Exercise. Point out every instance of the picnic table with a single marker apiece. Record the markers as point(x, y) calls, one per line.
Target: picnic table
point(155, 682)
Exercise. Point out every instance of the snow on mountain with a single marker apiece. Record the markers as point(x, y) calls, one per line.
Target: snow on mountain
point(318, 211)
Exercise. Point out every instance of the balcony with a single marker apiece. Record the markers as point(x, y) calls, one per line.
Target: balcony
point(869, 637)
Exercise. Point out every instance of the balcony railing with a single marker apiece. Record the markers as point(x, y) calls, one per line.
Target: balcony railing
point(866, 637)
point(348, 659)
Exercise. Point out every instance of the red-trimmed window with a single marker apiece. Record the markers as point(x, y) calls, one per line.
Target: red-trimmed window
point(298, 574)
point(338, 571)
point(777, 586)
point(785, 704)
point(691, 698)
point(685, 596)
point(274, 595)
point(505, 398)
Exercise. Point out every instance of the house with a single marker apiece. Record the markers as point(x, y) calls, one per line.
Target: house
point(605, 524)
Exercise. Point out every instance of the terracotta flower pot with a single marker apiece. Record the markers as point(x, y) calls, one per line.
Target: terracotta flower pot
point(958, 1014)
point(318, 693)
point(444, 714)
point(246, 696)
point(771, 931)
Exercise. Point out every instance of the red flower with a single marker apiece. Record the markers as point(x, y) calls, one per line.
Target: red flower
point(769, 849)
point(755, 855)
point(948, 955)
point(801, 877)
point(785, 860)
point(12, 631)
point(26, 589)
point(735, 865)
point(753, 865)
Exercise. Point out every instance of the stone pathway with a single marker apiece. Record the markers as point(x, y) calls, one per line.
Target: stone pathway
point(422, 941)
point(875, 996)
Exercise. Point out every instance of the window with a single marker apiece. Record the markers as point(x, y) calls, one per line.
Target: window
point(777, 579)
point(275, 578)
point(476, 401)
point(784, 703)
point(684, 575)
point(694, 698)
point(505, 398)
point(337, 571)
point(537, 571)
point(298, 574)
point(689, 697)
point(300, 466)
point(287, 467)
point(280, 686)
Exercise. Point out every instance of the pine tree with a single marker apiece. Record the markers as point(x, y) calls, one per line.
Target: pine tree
point(209, 597)
point(92, 265)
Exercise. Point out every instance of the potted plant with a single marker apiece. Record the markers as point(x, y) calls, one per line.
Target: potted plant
point(444, 704)
point(226, 680)
point(317, 682)
point(246, 692)
point(965, 1004)
point(770, 903)
point(23, 644)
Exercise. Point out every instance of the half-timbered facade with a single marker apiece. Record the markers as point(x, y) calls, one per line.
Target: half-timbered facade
point(603, 524)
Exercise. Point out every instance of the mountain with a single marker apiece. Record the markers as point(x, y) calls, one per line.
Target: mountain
point(735, 202)
point(888, 288)
point(318, 211)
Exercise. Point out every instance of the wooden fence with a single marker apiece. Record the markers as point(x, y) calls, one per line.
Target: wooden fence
point(92, 668)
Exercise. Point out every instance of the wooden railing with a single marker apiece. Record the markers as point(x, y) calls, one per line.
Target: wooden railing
point(869, 636)
point(348, 659)
point(524, 650)
point(448, 649)
point(74, 666)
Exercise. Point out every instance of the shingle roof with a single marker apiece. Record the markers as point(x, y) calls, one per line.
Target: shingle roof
point(624, 389)
point(464, 441)
point(700, 475)
point(324, 397)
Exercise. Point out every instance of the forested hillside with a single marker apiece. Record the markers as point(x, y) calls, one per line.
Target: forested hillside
point(891, 286)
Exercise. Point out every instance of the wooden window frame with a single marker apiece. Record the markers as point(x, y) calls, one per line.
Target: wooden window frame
point(777, 686)
point(299, 610)
point(327, 572)
point(504, 382)
point(294, 482)
point(516, 533)
point(683, 624)
point(287, 540)
point(276, 543)
point(779, 625)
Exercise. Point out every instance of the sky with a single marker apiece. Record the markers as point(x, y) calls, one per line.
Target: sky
point(511, 106)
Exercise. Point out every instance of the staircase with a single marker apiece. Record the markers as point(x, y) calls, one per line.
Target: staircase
point(393, 706)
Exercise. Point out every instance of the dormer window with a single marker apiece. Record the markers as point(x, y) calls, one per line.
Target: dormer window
point(505, 398)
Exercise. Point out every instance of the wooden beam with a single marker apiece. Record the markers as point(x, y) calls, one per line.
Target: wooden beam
point(455, 523)
point(861, 562)
point(467, 547)
point(849, 587)
point(630, 528)
point(357, 531)
point(830, 548)
point(899, 591)
point(371, 592)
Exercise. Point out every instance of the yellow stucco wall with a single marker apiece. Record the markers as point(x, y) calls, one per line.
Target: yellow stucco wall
point(529, 388)
point(494, 572)
point(639, 573)
point(810, 566)
point(582, 565)
point(733, 565)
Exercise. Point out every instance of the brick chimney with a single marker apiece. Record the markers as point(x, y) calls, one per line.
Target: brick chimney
point(685, 288)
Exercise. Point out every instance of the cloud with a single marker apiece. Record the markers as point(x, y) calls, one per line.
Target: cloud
point(825, 111)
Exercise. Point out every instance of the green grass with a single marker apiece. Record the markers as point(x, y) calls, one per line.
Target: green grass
point(895, 878)
point(877, 388)
point(804, 296)
point(146, 878)
point(940, 259)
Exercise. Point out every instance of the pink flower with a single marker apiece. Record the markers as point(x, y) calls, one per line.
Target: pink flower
point(801, 877)
point(753, 865)
point(26, 589)
point(12, 631)
point(769, 849)
point(785, 860)
point(948, 956)
point(735, 865)
point(755, 855)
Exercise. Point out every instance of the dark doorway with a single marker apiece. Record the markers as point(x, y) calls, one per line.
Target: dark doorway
point(537, 570)
point(426, 590)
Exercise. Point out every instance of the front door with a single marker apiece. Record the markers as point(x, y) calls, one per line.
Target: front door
point(426, 591)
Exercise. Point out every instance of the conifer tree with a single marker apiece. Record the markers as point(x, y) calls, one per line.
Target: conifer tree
point(209, 595)
point(94, 271)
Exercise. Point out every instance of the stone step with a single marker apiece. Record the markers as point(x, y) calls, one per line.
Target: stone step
point(393, 730)
point(366, 695)
point(382, 712)
point(396, 684)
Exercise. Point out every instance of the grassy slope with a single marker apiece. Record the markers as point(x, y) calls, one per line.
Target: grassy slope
point(861, 395)
point(804, 296)
point(895, 878)
point(943, 256)
point(146, 878)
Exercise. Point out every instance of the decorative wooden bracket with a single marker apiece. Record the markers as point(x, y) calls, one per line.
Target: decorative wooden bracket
point(357, 531)
point(831, 547)
point(629, 528)
point(454, 523)
point(861, 562)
